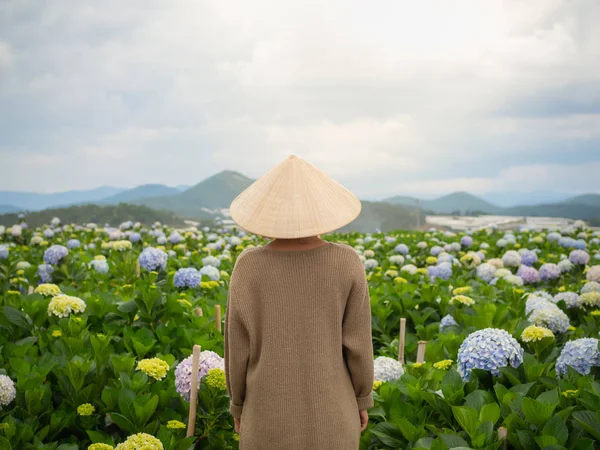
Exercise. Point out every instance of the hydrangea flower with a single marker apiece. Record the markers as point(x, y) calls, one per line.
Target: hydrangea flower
point(442, 271)
point(488, 349)
point(176, 425)
point(593, 274)
point(140, 441)
point(369, 253)
point(447, 321)
point(370, 263)
point(86, 409)
point(47, 289)
point(590, 286)
point(515, 280)
point(402, 249)
point(549, 272)
point(463, 299)
point(187, 278)
point(553, 236)
point(397, 260)
point(580, 354)
point(211, 272)
point(533, 333)
point(183, 373)
point(471, 260)
point(565, 266)
point(55, 254)
point(436, 250)
point(99, 265)
point(546, 314)
point(73, 243)
point(511, 259)
point(528, 258)
point(579, 257)
point(216, 379)
point(3, 252)
point(528, 274)
point(153, 259)
point(590, 298)
point(63, 305)
point(8, 391)
point(175, 238)
point(153, 367)
point(501, 243)
point(135, 237)
point(486, 272)
point(571, 299)
point(466, 241)
point(387, 369)
point(211, 261)
point(45, 272)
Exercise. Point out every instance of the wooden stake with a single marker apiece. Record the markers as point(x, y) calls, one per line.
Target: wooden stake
point(421, 351)
point(199, 311)
point(402, 339)
point(503, 436)
point(193, 392)
point(30, 290)
point(137, 268)
point(218, 316)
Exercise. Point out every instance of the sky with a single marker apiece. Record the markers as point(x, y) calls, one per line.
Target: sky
point(387, 97)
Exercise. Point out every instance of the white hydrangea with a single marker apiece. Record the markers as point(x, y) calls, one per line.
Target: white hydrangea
point(511, 259)
point(387, 369)
point(8, 391)
point(409, 268)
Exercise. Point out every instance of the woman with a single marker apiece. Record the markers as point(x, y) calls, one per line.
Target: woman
point(298, 345)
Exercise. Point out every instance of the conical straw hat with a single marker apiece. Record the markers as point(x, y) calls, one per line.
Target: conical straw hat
point(293, 200)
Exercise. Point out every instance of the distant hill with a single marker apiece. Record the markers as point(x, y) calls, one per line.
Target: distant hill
point(112, 214)
point(586, 199)
point(4, 209)
point(32, 201)
point(215, 192)
point(139, 193)
point(518, 198)
point(461, 202)
point(385, 216)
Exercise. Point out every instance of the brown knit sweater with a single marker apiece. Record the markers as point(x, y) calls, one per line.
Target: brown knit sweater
point(298, 348)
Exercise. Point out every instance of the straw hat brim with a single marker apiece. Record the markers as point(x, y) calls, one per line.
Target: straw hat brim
point(292, 200)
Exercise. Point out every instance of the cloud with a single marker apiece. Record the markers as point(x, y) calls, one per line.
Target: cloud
point(387, 97)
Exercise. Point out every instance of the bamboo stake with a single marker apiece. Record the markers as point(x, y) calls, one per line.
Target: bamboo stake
point(193, 392)
point(503, 436)
point(218, 316)
point(421, 351)
point(199, 311)
point(30, 290)
point(137, 268)
point(402, 339)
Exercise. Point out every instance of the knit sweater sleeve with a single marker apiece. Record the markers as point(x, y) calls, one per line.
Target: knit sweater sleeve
point(357, 338)
point(236, 344)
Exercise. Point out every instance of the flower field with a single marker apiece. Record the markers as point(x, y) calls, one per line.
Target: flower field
point(97, 325)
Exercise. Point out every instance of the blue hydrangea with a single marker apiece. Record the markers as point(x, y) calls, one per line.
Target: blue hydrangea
point(401, 248)
point(580, 244)
point(436, 250)
point(546, 314)
point(45, 273)
point(99, 265)
point(211, 272)
point(466, 241)
point(447, 321)
point(153, 259)
point(48, 233)
point(529, 258)
point(481, 255)
point(580, 354)
point(175, 238)
point(579, 257)
point(528, 274)
point(3, 252)
point(553, 236)
point(442, 271)
point(135, 237)
point(571, 299)
point(187, 278)
point(488, 349)
point(549, 272)
point(486, 272)
point(73, 243)
point(55, 254)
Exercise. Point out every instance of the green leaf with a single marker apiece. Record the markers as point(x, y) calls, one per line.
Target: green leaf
point(408, 430)
point(453, 441)
point(545, 441)
point(452, 387)
point(423, 443)
point(5, 444)
point(17, 317)
point(536, 412)
point(549, 398)
point(557, 428)
point(588, 421)
point(467, 418)
point(100, 437)
point(388, 435)
point(489, 412)
point(584, 444)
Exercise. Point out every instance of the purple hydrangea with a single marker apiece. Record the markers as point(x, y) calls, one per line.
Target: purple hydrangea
point(581, 354)
point(549, 272)
point(183, 372)
point(73, 243)
point(442, 271)
point(402, 249)
point(528, 274)
point(45, 273)
point(579, 257)
point(466, 241)
point(187, 278)
point(436, 250)
point(153, 259)
point(55, 254)
point(447, 321)
point(528, 258)
point(135, 237)
point(175, 238)
point(488, 349)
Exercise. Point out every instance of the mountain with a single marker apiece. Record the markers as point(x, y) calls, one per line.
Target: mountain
point(461, 202)
point(200, 201)
point(34, 202)
point(385, 216)
point(82, 214)
point(4, 209)
point(518, 198)
point(139, 193)
point(586, 199)
point(182, 187)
